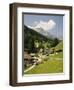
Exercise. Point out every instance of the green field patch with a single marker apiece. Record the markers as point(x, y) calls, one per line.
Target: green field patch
point(51, 65)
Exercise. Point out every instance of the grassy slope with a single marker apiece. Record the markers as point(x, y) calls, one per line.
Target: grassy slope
point(59, 55)
point(59, 46)
point(52, 65)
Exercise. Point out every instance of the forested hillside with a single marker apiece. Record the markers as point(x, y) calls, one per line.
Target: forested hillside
point(33, 40)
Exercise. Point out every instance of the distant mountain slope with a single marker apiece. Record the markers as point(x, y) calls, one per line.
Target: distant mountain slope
point(31, 36)
point(43, 32)
point(39, 32)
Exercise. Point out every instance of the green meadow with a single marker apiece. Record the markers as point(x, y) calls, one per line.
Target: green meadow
point(53, 64)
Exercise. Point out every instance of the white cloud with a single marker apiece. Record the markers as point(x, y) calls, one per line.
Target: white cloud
point(46, 25)
point(35, 22)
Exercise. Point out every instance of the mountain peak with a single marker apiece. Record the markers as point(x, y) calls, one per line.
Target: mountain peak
point(41, 31)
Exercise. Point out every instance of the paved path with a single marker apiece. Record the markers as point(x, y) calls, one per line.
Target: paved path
point(30, 68)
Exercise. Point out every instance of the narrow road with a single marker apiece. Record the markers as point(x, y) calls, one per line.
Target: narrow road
point(30, 68)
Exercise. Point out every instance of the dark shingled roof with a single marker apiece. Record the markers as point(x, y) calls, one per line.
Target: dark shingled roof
point(27, 56)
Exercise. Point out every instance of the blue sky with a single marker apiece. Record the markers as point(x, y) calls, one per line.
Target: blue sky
point(50, 23)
